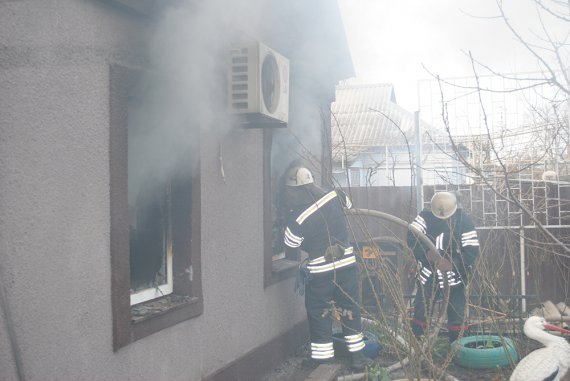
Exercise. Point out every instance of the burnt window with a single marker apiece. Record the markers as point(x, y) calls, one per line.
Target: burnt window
point(150, 198)
point(155, 218)
point(150, 244)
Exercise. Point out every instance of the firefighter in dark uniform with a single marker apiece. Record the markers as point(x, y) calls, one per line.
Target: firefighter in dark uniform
point(316, 224)
point(453, 233)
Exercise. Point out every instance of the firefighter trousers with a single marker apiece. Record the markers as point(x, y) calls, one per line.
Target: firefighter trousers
point(427, 295)
point(341, 287)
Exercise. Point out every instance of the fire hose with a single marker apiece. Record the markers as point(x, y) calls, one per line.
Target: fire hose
point(427, 242)
point(396, 220)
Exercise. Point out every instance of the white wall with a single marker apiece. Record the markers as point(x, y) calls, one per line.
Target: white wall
point(54, 213)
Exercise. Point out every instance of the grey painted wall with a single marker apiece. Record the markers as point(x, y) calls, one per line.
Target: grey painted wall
point(54, 212)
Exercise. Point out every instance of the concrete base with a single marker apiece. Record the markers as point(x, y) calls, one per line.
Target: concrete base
point(325, 372)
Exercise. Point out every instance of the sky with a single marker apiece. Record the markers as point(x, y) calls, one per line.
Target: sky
point(392, 40)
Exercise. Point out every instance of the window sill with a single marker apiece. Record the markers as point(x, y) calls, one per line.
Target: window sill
point(283, 269)
point(153, 316)
point(283, 265)
point(156, 307)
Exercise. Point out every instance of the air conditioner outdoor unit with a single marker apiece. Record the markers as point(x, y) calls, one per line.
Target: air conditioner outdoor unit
point(259, 85)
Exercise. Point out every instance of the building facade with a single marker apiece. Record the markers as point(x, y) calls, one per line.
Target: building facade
point(136, 210)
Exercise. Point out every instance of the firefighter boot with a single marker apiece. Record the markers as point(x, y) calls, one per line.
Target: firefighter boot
point(360, 361)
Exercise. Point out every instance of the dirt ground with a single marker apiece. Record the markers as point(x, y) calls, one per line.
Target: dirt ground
point(299, 366)
point(298, 369)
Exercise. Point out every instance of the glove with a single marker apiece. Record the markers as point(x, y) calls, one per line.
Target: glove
point(303, 277)
point(444, 264)
point(440, 262)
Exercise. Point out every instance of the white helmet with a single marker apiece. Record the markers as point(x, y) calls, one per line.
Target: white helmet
point(443, 205)
point(298, 176)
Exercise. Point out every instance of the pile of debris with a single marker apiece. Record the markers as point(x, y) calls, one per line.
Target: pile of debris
point(554, 313)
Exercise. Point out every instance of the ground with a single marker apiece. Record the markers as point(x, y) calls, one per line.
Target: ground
point(298, 367)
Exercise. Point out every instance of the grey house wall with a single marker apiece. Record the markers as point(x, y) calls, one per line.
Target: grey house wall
point(54, 212)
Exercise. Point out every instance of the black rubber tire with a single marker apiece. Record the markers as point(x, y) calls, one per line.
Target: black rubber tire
point(485, 358)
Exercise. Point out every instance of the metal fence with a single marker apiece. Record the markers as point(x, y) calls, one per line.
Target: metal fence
point(520, 265)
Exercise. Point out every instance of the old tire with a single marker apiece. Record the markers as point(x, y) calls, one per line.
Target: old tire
point(502, 353)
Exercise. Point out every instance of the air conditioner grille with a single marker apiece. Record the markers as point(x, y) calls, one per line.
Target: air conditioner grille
point(239, 69)
point(239, 87)
point(239, 105)
point(239, 62)
point(240, 78)
point(258, 84)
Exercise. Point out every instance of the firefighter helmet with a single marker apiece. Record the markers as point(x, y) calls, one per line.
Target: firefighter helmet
point(298, 176)
point(443, 205)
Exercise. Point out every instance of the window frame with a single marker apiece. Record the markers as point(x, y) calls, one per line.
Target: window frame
point(166, 288)
point(186, 301)
point(274, 270)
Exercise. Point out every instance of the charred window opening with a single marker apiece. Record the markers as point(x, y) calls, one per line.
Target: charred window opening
point(150, 212)
point(159, 196)
point(150, 240)
point(159, 218)
point(155, 209)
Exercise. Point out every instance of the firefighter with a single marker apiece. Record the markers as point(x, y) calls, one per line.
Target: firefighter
point(452, 231)
point(316, 224)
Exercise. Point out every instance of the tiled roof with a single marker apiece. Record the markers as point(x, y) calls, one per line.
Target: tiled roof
point(367, 116)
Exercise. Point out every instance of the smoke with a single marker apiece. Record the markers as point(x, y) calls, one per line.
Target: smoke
point(185, 90)
point(311, 35)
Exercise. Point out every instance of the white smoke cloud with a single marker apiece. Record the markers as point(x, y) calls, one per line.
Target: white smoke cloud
point(185, 87)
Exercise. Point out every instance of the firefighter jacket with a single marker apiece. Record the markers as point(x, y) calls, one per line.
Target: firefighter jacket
point(455, 238)
point(317, 225)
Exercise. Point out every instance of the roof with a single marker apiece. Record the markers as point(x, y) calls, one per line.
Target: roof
point(367, 116)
